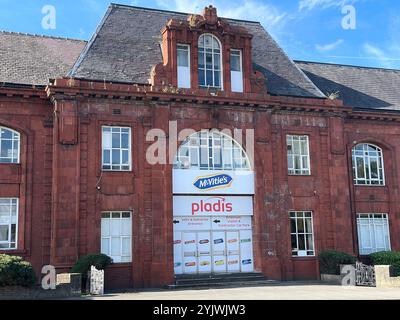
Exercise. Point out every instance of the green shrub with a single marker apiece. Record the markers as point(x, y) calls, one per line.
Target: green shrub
point(391, 258)
point(100, 261)
point(14, 271)
point(330, 261)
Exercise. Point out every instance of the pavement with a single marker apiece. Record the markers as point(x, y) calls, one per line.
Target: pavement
point(278, 291)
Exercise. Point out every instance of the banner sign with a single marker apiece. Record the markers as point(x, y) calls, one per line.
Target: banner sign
point(212, 206)
point(213, 182)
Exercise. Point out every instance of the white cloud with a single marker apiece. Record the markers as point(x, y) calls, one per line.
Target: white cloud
point(384, 57)
point(323, 4)
point(268, 15)
point(330, 46)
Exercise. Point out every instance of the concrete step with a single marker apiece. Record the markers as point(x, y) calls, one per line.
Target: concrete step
point(218, 280)
point(233, 284)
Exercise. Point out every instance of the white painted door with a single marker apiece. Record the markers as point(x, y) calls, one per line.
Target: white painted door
point(219, 251)
point(233, 251)
point(204, 252)
point(189, 252)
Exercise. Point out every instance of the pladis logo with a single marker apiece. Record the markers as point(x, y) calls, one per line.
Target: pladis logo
point(213, 181)
point(213, 204)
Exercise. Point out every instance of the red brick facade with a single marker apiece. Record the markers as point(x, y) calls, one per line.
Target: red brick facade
point(62, 189)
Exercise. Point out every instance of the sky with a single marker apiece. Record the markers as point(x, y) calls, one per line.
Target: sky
point(356, 32)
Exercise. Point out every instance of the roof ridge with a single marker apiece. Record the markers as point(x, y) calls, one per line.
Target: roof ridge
point(174, 12)
point(39, 35)
point(346, 65)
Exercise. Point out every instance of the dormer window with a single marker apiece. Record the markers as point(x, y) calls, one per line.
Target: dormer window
point(183, 53)
point(210, 62)
point(236, 71)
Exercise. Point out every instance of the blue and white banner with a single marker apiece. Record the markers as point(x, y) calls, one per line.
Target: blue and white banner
point(213, 182)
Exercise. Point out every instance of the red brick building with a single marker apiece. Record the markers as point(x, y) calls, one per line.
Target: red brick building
point(313, 168)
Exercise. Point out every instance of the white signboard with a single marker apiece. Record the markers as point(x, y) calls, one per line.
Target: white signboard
point(191, 223)
point(212, 206)
point(213, 182)
point(231, 223)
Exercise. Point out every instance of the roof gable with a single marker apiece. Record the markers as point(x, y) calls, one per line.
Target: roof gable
point(127, 44)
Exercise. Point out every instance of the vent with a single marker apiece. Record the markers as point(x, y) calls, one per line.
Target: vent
point(116, 112)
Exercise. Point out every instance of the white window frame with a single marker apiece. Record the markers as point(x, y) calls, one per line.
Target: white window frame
point(366, 157)
point(200, 150)
point(120, 165)
point(372, 220)
point(15, 142)
point(213, 70)
point(233, 88)
point(12, 202)
point(297, 215)
point(108, 237)
point(183, 70)
point(303, 170)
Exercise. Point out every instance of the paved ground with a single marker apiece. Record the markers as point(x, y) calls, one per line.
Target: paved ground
point(280, 291)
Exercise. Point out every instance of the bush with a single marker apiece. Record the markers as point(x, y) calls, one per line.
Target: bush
point(100, 261)
point(14, 271)
point(391, 258)
point(330, 261)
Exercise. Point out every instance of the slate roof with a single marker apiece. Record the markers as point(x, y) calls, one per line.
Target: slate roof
point(127, 44)
point(31, 59)
point(358, 87)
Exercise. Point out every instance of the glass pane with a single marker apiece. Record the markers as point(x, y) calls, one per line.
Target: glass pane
point(115, 246)
point(116, 157)
point(217, 75)
point(105, 227)
point(235, 63)
point(293, 225)
point(294, 242)
point(217, 62)
point(126, 246)
point(209, 78)
point(116, 215)
point(300, 225)
point(106, 156)
point(183, 58)
point(106, 138)
point(116, 142)
point(308, 226)
point(115, 227)
point(126, 227)
point(302, 243)
point(310, 244)
point(4, 230)
point(13, 232)
point(6, 148)
point(6, 134)
point(125, 141)
point(125, 157)
point(105, 246)
point(105, 215)
point(209, 61)
point(202, 80)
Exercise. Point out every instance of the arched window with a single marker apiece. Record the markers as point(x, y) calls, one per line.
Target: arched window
point(210, 61)
point(368, 168)
point(9, 145)
point(211, 150)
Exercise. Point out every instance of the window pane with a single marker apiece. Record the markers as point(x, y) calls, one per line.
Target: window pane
point(125, 141)
point(105, 246)
point(115, 246)
point(116, 142)
point(183, 58)
point(301, 242)
point(4, 232)
point(116, 159)
point(235, 63)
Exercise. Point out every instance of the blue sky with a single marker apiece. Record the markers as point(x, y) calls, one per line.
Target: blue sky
point(305, 29)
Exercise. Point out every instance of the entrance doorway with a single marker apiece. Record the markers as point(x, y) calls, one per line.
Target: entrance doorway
point(222, 251)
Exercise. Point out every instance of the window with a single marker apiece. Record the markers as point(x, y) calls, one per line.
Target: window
point(116, 235)
point(368, 165)
point(116, 148)
point(373, 233)
point(183, 52)
point(302, 238)
point(210, 62)
point(8, 223)
point(211, 150)
point(9, 146)
point(236, 71)
point(298, 155)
